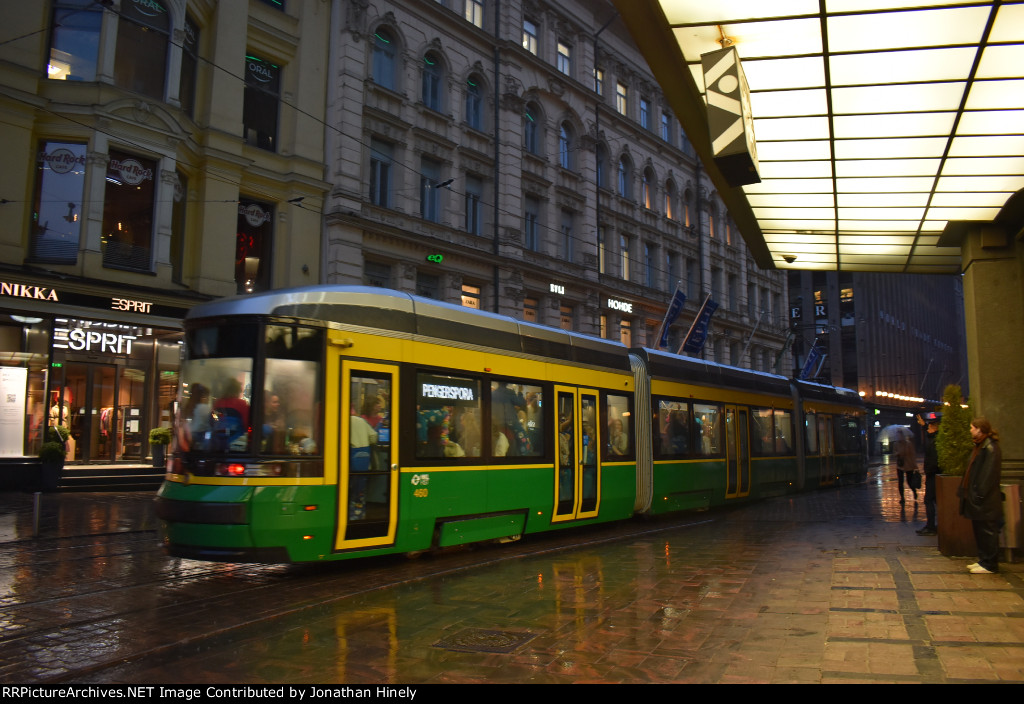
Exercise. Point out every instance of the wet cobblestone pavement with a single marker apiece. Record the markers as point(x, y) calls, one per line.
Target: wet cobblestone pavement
point(830, 586)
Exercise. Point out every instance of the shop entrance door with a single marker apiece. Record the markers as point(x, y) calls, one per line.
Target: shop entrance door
point(84, 403)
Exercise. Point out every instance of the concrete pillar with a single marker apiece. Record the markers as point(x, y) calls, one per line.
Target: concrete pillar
point(993, 271)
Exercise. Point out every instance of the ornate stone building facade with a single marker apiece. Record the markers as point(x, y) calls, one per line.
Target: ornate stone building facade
point(519, 157)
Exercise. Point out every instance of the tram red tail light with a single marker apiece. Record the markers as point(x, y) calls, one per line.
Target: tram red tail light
point(235, 470)
point(238, 469)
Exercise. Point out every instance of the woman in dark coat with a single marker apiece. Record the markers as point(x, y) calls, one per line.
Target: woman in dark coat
point(981, 499)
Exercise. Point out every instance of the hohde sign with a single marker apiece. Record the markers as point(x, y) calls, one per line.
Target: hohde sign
point(623, 306)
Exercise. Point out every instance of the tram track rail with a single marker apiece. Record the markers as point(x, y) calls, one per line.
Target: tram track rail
point(114, 600)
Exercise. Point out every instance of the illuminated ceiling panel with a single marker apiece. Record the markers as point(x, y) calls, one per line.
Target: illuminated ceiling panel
point(876, 122)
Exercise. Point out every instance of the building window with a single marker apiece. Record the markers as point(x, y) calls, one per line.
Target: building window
point(625, 243)
point(128, 212)
point(565, 146)
point(474, 207)
point(648, 186)
point(428, 285)
point(530, 36)
point(625, 176)
point(530, 308)
point(564, 63)
point(531, 129)
point(645, 113)
point(432, 75)
point(621, 99)
point(650, 265)
point(381, 158)
point(602, 250)
point(567, 235)
point(471, 296)
point(57, 216)
point(376, 274)
point(672, 266)
point(262, 92)
point(474, 103)
point(566, 318)
point(189, 67)
point(75, 41)
point(666, 127)
point(601, 173)
point(475, 12)
point(384, 52)
point(670, 199)
point(692, 280)
point(531, 224)
point(599, 80)
point(430, 195)
point(626, 332)
point(140, 61)
point(253, 246)
point(276, 4)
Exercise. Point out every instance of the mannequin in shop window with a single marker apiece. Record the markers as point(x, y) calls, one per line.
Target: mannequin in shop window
point(60, 414)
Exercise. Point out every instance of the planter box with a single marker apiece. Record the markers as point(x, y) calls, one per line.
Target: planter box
point(956, 533)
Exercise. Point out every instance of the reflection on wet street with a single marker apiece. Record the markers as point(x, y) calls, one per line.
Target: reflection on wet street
point(830, 586)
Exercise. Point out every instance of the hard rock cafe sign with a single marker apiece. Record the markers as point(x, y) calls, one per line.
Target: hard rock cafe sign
point(131, 171)
point(253, 214)
point(61, 160)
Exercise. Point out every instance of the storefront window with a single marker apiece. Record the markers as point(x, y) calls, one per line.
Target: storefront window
point(253, 246)
point(25, 349)
point(140, 64)
point(128, 212)
point(57, 216)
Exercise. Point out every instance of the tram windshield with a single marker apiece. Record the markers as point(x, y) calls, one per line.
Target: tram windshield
point(225, 408)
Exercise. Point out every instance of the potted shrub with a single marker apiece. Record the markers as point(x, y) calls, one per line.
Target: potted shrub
point(953, 446)
point(159, 439)
point(51, 458)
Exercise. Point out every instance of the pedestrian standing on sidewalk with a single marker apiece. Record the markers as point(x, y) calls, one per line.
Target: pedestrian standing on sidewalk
point(981, 498)
point(931, 469)
point(906, 464)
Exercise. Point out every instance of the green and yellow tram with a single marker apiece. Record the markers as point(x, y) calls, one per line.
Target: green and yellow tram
point(338, 422)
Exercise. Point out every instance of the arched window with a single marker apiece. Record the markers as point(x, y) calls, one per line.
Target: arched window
point(648, 186)
point(625, 176)
point(384, 52)
point(565, 146)
point(532, 129)
point(432, 75)
point(670, 200)
point(475, 102)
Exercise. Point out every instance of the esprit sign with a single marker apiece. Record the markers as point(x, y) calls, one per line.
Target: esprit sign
point(93, 339)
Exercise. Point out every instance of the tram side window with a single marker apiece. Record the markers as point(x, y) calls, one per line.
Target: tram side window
point(517, 420)
point(448, 417)
point(673, 428)
point(762, 431)
point(290, 408)
point(707, 419)
point(811, 432)
point(848, 435)
point(619, 438)
point(784, 432)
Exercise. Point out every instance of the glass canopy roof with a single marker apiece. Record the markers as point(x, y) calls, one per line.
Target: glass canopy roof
point(876, 123)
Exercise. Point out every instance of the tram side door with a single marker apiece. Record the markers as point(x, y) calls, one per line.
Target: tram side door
point(577, 489)
point(367, 455)
point(737, 451)
point(826, 450)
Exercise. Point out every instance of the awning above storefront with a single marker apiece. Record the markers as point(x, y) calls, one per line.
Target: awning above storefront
point(876, 123)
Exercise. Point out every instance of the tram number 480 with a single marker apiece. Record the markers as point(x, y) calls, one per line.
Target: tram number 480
point(419, 492)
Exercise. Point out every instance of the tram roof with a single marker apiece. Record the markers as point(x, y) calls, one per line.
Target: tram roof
point(675, 367)
point(403, 313)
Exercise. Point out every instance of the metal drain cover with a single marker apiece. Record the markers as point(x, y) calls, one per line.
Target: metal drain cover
point(482, 640)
